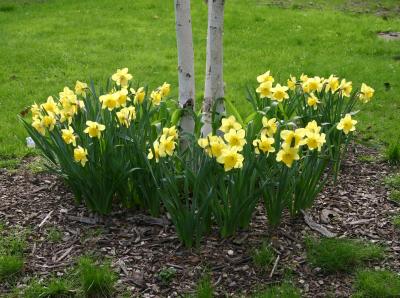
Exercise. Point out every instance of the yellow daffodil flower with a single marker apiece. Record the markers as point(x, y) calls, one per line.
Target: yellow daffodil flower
point(347, 124)
point(332, 84)
point(80, 155)
point(165, 89)
point(139, 95)
point(269, 126)
point(303, 78)
point(315, 141)
point(170, 132)
point(279, 93)
point(68, 136)
point(312, 127)
point(122, 77)
point(313, 101)
point(48, 121)
point(35, 110)
point(156, 148)
point(67, 97)
point(366, 93)
point(94, 129)
point(229, 123)
point(38, 125)
point(50, 106)
point(156, 97)
point(121, 97)
point(230, 159)
point(293, 138)
point(264, 144)
point(80, 88)
point(265, 77)
point(217, 145)
point(314, 84)
point(287, 155)
point(109, 101)
point(265, 89)
point(236, 139)
point(291, 83)
point(346, 88)
point(126, 115)
point(167, 146)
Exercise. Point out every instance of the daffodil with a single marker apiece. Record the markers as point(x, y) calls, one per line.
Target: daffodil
point(265, 89)
point(279, 93)
point(121, 97)
point(305, 86)
point(38, 125)
point(332, 84)
point(236, 139)
point(35, 110)
point(68, 136)
point(303, 78)
point(229, 123)
point(139, 95)
point(293, 138)
point(156, 148)
point(312, 127)
point(67, 97)
point(314, 84)
point(287, 155)
point(171, 132)
point(264, 144)
point(347, 124)
point(291, 83)
point(126, 115)
point(122, 77)
point(94, 129)
point(366, 93)
point(315, 141)
point(265, 77)
point(80, 88)
point(50, 106)
point(313, 101)
point(165, 89)
point(167, 146)
point(48, 121)
point(109, 101)
point(217, 145)
point(231, 159)
point(346, 88)
point(80, 155)
point(269, 126)
point(156, 97)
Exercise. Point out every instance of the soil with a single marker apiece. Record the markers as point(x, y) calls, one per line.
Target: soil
point(140, 246)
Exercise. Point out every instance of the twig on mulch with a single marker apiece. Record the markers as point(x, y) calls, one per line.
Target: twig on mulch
point(45, 219)
point(275, 265)
point(316, 226)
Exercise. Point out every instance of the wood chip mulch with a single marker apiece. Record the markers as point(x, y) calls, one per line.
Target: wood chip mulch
point(140, 246)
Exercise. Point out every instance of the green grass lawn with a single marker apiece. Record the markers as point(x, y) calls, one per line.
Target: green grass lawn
point(46, 45)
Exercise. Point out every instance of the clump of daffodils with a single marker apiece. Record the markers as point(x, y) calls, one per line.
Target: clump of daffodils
point(226, 149)
point(121, 102)
point(165, 144)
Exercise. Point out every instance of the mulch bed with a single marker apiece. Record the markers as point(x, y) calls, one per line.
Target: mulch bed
point(140, 246)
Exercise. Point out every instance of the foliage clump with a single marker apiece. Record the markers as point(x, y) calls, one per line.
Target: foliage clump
point(284, 290)
point(96, 280)
point(263, 256)
point(341, 255)
point(371, 284)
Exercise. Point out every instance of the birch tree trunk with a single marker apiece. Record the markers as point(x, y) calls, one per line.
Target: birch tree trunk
point(214, 80)
point(185, 62)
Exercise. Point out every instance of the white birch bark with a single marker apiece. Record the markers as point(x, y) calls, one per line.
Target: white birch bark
point(214, 80)
point(185, 62)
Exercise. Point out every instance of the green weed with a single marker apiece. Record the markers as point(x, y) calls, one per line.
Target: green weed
point(372, 284)
point(333, 255)
point(10, 266)
point(392, 153)
point(166, 275)
point(263, 257)
point(285, 290)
